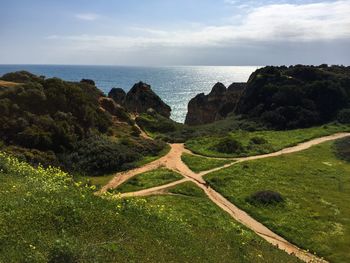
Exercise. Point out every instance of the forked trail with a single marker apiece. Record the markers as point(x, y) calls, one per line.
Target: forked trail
point(173, 162)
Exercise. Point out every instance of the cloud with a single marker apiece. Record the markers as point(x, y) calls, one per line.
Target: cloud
point(292, 23)
point(87, 16)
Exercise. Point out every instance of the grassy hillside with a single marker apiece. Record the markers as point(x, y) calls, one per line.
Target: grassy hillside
point(46, 217)
point(259, 142)
point(315, 186)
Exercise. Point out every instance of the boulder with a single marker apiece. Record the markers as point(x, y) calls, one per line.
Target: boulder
point(118, 95)
point(141, 98)
point(215, 106)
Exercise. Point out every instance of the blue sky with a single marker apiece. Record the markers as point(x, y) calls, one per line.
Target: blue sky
point(164, 32)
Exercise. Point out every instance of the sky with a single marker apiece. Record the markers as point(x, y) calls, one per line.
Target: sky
point(175, 32)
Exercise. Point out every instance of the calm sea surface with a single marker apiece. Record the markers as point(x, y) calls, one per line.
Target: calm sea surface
point(175, 85)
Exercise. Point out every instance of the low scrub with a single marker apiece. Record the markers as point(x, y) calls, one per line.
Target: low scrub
point(229, 145)
point(342, 149)
point(266, 198)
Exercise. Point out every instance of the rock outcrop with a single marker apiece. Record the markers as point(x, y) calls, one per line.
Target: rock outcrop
point(118, 95)
point(215, 106)
point(114, 109)
point(140, 99)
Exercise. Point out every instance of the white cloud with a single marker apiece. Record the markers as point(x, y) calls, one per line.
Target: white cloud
point(324, 21)
point(87, 16)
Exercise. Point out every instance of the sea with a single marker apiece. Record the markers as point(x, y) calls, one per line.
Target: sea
point(176, 85)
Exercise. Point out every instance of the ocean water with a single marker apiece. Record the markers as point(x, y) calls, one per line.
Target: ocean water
point(175, 85)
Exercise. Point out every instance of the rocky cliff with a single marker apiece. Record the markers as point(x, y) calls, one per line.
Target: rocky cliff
point(216, 105)
point(140, 99)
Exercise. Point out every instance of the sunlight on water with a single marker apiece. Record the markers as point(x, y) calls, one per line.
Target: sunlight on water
point(175, 85)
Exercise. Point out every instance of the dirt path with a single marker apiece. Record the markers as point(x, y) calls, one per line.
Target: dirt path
point(173, 162)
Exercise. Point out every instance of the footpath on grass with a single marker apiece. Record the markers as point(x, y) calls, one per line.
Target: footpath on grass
point(173, 162)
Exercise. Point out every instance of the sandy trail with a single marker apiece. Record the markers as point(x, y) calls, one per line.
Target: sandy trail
point(173, 162)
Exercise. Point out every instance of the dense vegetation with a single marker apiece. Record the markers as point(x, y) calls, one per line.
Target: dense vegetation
point(46, 217)
point(54, 122)
point(315, 187)
point(296, 96)
point(167, 130)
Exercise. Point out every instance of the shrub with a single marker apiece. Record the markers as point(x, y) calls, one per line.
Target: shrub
point(342, 149)
point(22, 77)
point(266, 198)
point(98, 155)
point(344, 116)
point(229, 145)
point(33, 156)
point(62, 252)
point(135, 131)
point(258, 140)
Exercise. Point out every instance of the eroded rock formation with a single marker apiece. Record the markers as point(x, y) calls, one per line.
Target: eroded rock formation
point(216, 105)
point(140, 99)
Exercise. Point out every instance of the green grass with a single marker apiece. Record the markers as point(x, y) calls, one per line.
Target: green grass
point(97, 181)
point(199, 164)
point(46, 217)
point(276, 140)
point(316, 188)
point(221, 238)
point(187, 189)
point(148, 179)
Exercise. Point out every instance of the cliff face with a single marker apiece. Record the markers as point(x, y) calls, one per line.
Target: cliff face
point(215, 106)
point(140, 99)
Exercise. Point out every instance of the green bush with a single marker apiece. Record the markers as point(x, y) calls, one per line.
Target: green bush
point(22, 77)
point(258, 140)
point(98, 155)
point(62, 252)
point(342, 149)
point(344, 116)
point(229, 145)
point(266, 198)
point(33, 156)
